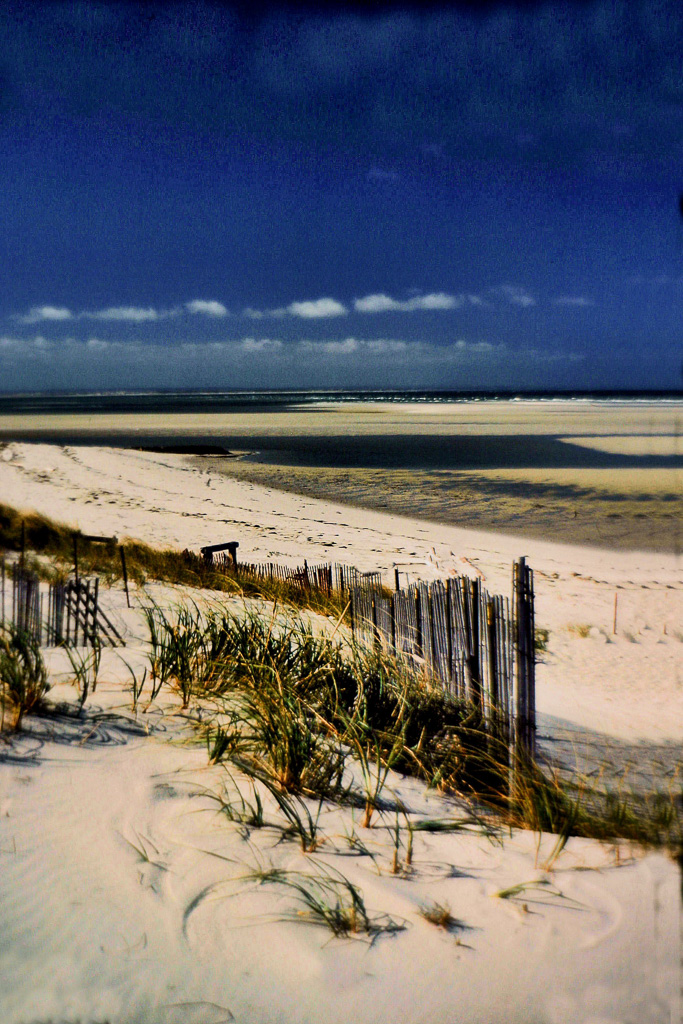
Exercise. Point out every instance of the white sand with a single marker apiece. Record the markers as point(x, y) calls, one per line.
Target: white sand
point(629, 685)
point(91, 931)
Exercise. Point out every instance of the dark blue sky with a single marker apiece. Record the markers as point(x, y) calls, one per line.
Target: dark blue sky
point(365, 195)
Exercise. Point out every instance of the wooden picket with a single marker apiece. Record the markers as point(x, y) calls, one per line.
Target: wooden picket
point(329, 577)
point(73, 616)
point(76, 618)
point(26, 605)
point(478, 646)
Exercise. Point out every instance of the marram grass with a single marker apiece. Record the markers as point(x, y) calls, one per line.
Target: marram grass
point(292, 709)
point(23, 676)
point(46, 537)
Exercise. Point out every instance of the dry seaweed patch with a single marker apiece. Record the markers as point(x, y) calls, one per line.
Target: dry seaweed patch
point(582, 629)
point(439, 914)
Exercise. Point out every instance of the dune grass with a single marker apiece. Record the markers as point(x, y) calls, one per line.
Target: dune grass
point(23, 676)
point(293, 711)
point(294, 708)
point(86, 666)
point(329, 899)
point(47, 537)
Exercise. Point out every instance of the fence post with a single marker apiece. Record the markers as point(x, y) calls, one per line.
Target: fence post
point(525, 704)
point(449, 633)
point(494, 683)
point(67, 605)
point(419, 641)
point(375, 627)
point(431, 642)
point(473, 657)
point(95, 603)
point(125, 573)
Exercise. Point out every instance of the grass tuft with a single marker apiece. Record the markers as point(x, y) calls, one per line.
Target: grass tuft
point(86, 667)
point(332, 901)
point(23, 675)
point(439, 914)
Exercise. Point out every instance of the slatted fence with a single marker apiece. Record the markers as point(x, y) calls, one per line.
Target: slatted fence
point(75, 618)
point(66, 613)
point(26, 601)
point(479, 646)
point(329, 577)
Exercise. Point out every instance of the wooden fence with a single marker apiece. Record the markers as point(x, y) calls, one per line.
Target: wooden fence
point(328, 578)
point(65, 614)
point(26, 603)
point(480, 647)
point(75, 617)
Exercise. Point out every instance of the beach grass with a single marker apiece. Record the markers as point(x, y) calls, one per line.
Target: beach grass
point(329, 899)
point(23, 676)
point(290, 709)
point(55, 542)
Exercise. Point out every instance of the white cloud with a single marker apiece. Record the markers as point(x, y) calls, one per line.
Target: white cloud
point(310, 309)
point(261, 344)
point(375, 303)
point(331, 348)
point(385, 347)
point(256, 361)
point(381, 303)
point(209, 307)
point(573, 300)
point(132, 313)
point(404, 352)
point(516, 295)
point(382, 176)
point(38, 313)
point(435, 300)
point(25, 347)
point(475, 346)
point(317, 309)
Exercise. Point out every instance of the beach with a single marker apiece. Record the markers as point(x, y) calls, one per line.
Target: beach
point(607, 474)
point(128, 898)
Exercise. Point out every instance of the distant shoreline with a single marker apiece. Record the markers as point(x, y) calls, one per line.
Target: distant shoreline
point(606, 475)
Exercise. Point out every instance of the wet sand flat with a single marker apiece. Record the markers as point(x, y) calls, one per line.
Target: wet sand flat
point(625, 509)
point(600, 473)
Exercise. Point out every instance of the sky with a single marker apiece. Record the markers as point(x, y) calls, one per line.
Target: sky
point(476, 196)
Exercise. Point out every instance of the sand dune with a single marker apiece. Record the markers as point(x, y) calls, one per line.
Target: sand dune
point(126, 898)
